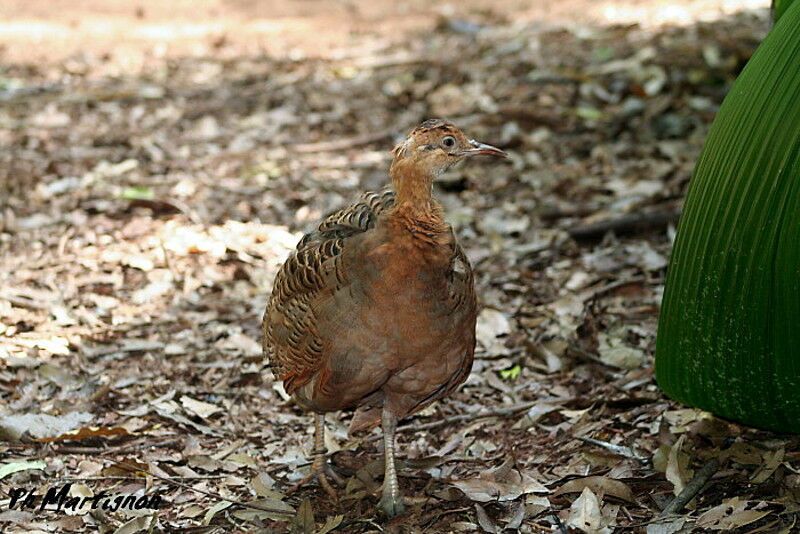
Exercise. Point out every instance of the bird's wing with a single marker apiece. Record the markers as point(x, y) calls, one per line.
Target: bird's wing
point(292, 343)
point(460, 280)
point(354, 219)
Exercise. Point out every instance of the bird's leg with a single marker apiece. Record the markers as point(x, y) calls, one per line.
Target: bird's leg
point(391, 499)
point(318, 465)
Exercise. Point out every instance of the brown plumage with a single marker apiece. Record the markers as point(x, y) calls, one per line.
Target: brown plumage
point(376, 308)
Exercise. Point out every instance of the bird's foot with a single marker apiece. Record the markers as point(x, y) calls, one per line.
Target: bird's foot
point(321, 477)
point(329, 471)
point(392, 504)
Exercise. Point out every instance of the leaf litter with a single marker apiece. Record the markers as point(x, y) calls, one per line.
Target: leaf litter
point(144, 214)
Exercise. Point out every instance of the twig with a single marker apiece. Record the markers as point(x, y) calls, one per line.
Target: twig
point(539, 526)
point(593, 293)
point(561, 528)
point(197, 477)
point(551, 214)
point(627, 452)
point(191, 488)
point(24, 302)
point(368, 62)
point(342, 144)
point(625, 224)
point(359, 521)
point(692, 488)
point(77, 449)
point(9, 95)
point(527, 114)
point(508, 410)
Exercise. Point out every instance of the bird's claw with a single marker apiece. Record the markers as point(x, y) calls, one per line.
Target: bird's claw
point(392, 504)
point(320, 477)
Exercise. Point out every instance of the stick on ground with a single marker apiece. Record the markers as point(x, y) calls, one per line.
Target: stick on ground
point(692, 488)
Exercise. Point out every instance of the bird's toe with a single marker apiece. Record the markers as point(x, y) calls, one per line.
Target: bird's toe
point(318, 477)
point(392, 505)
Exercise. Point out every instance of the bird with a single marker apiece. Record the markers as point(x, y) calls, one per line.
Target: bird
point(376, 308)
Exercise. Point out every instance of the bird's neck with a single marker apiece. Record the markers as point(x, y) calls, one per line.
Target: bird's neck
point(415, 208)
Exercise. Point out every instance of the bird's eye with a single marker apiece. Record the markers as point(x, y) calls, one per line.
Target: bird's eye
point(449, 141)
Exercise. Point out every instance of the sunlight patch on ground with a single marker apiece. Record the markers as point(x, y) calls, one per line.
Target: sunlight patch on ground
point(674, 12)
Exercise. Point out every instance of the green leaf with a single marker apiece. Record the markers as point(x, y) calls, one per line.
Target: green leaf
point(589, 114)
point(729, 333)
point(779, 7)
point(510, 374)
point(138, 193)
point(15, 467)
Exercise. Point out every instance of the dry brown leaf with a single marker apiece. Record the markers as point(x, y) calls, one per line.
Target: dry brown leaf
point(681, 420)
point(678, 471)
point(668, 525)
point(137, 524)
point(139, 469)
point(202, 409)
point(599, 485)
point(89, 433)
point(214, 510)
point(585, 514)
point(39, 426)
point(303, 520)
point(732, 514)
point(772, 460)
point(484, 521)
point(501, 484)
point(281, 511)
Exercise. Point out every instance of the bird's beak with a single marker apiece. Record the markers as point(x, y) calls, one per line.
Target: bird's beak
point(483, 149)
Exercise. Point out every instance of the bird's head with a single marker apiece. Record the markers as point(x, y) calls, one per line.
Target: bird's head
point(435, 145)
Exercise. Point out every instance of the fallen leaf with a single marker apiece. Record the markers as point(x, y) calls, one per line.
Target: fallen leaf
point(240, 343)
point(678, 471)
point(517, 515)
point(666, 526)
point(15, 467)
point(585, 515)
point(536, 504)
point(39, 426)
point(280, 511)
point(89, 433)
point(614, 352)
point(491, 324)
point(331, 524)
point(185, 421)
point(499, 485)
point(132, 468)
point(304, 518)
point(772, 459)
point(214, 510)
point(484, 521)
point(263, 485)
point(681, 420)
point(598, 484)
point(731, 514)
point(200, 408)
point(136, 524)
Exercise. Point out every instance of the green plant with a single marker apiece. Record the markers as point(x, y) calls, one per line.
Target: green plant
point(729, 332)
point(779, 7)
